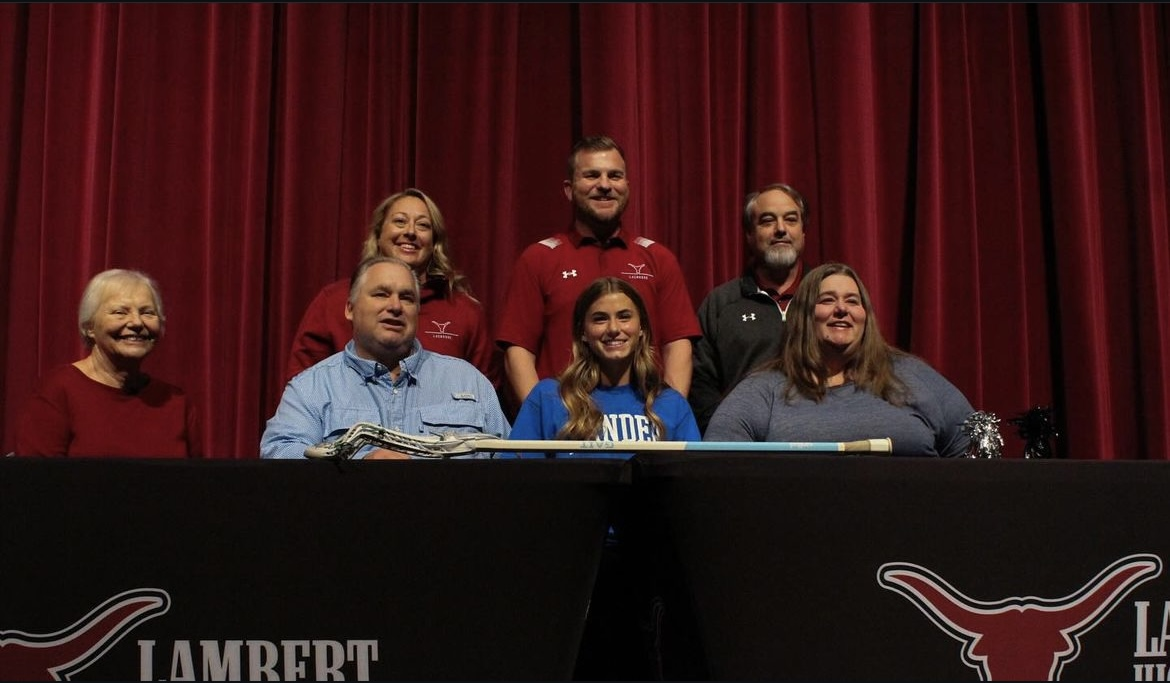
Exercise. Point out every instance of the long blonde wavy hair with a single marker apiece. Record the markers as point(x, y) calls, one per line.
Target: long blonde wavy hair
point(440, 266)
point(584, 372)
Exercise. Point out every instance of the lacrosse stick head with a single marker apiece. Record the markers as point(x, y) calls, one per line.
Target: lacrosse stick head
point(331, 450)
point(344, 446)
point(433, 446)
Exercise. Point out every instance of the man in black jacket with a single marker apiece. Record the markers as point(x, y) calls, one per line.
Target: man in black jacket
point(743, 319)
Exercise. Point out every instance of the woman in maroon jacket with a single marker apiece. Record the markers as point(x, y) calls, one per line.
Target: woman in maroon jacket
point(408, 225)
point(105, 404)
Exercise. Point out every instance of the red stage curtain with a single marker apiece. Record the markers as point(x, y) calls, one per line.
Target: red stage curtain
point(995, 172)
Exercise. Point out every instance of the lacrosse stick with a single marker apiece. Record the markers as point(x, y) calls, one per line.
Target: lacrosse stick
point(449, 445)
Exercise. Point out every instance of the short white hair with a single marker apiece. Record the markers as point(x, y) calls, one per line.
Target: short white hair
point(98, 289)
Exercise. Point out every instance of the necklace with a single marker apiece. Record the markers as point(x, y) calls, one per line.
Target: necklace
point(102, 375)
point(130, 383)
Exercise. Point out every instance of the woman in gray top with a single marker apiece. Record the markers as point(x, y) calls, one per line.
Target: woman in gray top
point(836, 379)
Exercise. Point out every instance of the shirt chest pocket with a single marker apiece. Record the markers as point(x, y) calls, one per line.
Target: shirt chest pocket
point(338, 419)
point(454, 416)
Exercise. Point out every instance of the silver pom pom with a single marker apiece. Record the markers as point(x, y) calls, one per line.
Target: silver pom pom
point(983, 430)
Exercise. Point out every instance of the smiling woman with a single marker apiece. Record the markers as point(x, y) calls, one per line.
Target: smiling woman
point(613, 388)
point(835, 378)
point(105, 404)
point(409, 226)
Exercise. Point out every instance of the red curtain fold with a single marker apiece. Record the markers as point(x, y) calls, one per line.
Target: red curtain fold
point(995, 172)
point(1111, 373)
point(979, 266)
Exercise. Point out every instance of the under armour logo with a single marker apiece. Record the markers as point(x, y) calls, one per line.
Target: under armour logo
point(749, 316)
point(566, 274)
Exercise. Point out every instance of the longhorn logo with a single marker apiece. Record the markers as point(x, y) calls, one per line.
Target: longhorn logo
point(58, 656)
point(442, 326)
point(1019, 638)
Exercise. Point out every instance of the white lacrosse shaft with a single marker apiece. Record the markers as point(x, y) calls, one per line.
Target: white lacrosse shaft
point(529, 446)
point(449, 445)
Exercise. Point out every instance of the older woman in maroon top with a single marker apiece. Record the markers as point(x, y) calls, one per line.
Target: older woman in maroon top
point(105, 404)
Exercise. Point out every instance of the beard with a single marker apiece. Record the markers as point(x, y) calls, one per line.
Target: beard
point(779, 257)
point(587, 214)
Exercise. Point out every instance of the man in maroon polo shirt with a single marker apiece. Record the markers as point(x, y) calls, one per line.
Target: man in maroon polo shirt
point(536, 324)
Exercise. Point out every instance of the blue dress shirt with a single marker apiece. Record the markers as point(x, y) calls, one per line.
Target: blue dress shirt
point(434, 394)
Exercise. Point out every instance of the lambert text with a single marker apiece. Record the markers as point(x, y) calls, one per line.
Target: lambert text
point(259, 660)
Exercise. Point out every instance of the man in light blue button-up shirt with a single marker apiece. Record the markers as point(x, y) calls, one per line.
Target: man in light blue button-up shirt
point(384, 376)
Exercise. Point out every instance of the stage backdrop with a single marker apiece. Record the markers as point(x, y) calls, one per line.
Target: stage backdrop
point(995, 172)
